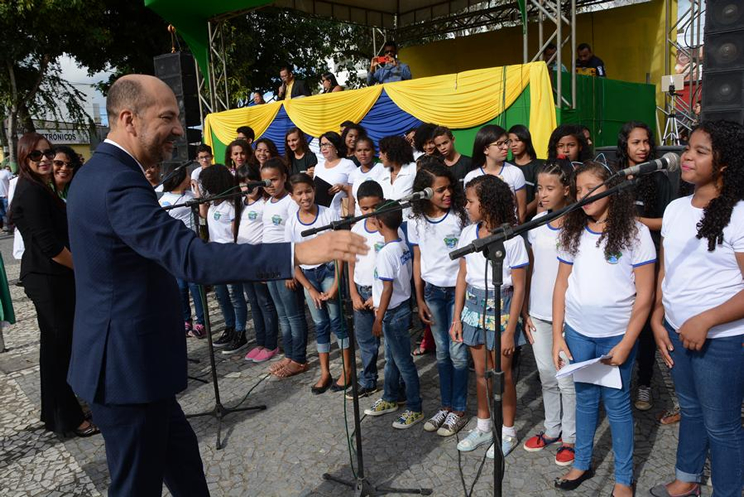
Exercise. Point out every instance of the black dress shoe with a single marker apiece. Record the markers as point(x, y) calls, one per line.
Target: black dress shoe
point(321, 389)
point(563, 484)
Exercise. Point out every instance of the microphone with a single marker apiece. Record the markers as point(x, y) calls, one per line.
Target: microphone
point(253, 184)
point(669, 161)
point(424, 194)
point(174, 171)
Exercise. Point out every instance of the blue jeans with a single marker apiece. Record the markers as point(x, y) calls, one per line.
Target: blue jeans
point(233, 306)
point(184, 288)
point(265, 319)
point(291, 312)
point(452, 357)
point(710, 389)
point(328, 317)
point(616, 404)
point(369, 345)
point(398, 359)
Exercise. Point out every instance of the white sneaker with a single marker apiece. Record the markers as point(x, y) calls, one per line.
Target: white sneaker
point(436, 421)
point(475, 439)
point(508, 444)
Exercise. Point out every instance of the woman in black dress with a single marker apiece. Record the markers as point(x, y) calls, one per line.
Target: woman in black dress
point(46, 273)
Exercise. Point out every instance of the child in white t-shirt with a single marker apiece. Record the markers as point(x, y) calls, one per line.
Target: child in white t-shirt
point(434, 230)
point(559, 397)
point(391, 291)
point(220, 216)
point(602, 297)
point(320, 282)
point(490, 149)
point(368, 169)
point(489, 205)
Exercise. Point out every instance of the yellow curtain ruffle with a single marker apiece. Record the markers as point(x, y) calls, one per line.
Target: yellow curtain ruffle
point(224, 124)
point(320, 113)
point(461, 100)
point(542, 107)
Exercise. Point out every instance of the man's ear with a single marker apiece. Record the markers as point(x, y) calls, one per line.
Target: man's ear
point(127, 121)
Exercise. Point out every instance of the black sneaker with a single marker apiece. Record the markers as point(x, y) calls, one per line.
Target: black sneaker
point(238, 343)
point(224, 339)
point(363, 392)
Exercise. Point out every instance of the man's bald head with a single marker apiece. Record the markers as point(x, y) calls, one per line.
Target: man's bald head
point(134, 92)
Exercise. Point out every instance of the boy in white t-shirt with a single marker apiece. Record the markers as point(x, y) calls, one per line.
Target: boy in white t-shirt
point(391, 291)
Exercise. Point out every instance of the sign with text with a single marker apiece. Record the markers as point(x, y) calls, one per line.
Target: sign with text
point(65, 136)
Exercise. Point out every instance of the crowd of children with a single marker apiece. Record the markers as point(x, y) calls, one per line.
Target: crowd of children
point(578, 288)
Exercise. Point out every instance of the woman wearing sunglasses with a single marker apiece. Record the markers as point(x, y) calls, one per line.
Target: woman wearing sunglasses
point(64, 165)
point(46, 272)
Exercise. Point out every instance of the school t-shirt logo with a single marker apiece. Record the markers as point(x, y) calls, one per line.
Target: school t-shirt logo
point(378, 246)
point(614, 258)
point(450, 241)
point(217, 216)
point(252, 215)
point(276, 219)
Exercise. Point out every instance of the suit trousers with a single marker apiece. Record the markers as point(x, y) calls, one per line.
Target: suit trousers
point(54, 299)
point(148, 445)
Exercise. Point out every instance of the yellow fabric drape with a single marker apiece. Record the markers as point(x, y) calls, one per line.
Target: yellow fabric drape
point(461, 100)
point(320, 113)
point(224, 124)
point(542, 108)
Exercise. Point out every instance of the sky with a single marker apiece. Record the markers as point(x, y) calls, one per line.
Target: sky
point(79, 77)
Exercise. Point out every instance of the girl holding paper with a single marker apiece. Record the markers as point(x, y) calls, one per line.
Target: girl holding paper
point(602, 297)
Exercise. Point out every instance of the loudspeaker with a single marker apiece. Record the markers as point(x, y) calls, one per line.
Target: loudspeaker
point(723, 72)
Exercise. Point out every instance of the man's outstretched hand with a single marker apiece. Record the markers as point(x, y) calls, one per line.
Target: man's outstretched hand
point(334, 245)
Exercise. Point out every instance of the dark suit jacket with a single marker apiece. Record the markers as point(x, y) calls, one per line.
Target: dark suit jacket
point(299, 89)
point(128, 344)
point(41, 218)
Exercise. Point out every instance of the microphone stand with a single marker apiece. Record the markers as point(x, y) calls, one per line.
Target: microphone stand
point(361, 484)
point(492, 247)
point(219, 411)
point(173, 173)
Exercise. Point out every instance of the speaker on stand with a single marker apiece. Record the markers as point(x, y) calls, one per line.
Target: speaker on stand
point(723, 71)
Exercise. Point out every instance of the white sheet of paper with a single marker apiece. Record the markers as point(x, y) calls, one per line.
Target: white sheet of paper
point(593, 371)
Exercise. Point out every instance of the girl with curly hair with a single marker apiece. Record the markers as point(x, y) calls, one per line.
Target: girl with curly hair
point(569, 141)
point(698, 318)
point(602, 297)
point(490, 148)
point(434, 229)
point(559, 396)
point(490, 204)
point(653, 192)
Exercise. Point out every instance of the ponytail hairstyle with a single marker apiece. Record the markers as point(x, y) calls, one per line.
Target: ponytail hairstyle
point(645, 190)
point(278, 164)
point(425, 178)
point(563, 169)
point(486, 135)
point(523, 133)
point(496, 200)
point(303, 146)
point(621, 229)
point(585, 151)
point(727, 140)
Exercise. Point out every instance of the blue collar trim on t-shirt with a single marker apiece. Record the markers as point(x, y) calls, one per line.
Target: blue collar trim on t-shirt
point(393, 241)
point(368, 231)
point(311, 222)
point(437, 222)
point(274, 200)
point(593, 232)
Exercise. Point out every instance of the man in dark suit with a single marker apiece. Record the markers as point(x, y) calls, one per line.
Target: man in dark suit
point(129, 357)
point(290, 87)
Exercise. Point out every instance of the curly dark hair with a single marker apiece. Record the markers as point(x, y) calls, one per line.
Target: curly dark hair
point(429, 160)
point(727, 140)
point(269, 144)
point(621, 229)
point(397, 150)
point(424, 133)
point(496, 200)
point(335, 140)
point(645, 190)
point(585, 152)
point(425, 179)
point(361, 133)
point(217, 179)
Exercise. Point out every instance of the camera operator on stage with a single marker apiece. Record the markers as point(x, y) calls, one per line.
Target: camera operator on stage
point(128, 357)
point(386, 68)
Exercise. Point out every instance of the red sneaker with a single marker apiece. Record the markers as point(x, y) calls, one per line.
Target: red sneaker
point(539, 442)
point(565, 455)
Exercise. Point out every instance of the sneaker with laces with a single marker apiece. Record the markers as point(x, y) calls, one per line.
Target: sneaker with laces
point(436, 421)
point(361, 392)
point(565, 455)
point(452, 424)
point(644, 400)
point(251, 355)
point(408, 419)
point(225, 338)
point(381, 407)
point(238, 343)
point(197, 331)
point(475, 439)
point(539, 442)
point(265, 354)
point(508, 444)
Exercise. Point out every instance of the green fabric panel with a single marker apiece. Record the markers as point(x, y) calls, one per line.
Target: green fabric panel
point(218, 150)
point(517, 113)
point(604, 105)
point(6, 302)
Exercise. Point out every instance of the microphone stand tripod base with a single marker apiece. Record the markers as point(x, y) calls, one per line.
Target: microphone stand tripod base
point(363, 488)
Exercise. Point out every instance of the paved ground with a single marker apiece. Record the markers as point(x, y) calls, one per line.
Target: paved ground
point(284, 450)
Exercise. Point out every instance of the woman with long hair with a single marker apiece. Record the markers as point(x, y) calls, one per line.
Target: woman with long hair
point(265, 149)
point(569, 141)
point(330, 85)
point(525, 157)
point(237, 153)
point(297, 153)
point(47, 276)
point(349, 136)
point(64, 166)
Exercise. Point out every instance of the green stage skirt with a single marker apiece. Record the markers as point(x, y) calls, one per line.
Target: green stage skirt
point(6, 303)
